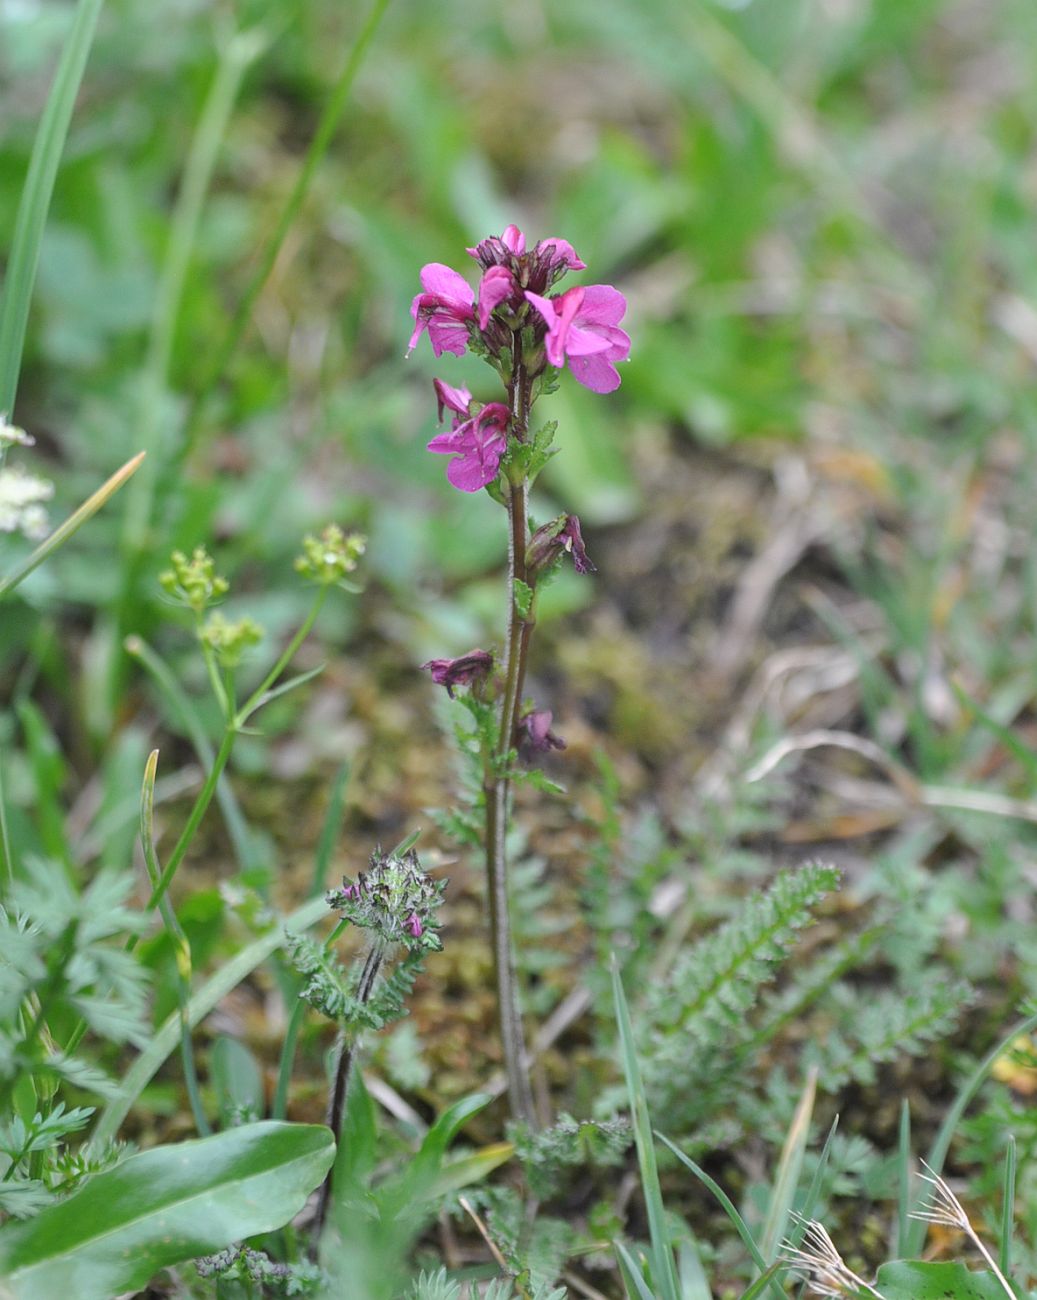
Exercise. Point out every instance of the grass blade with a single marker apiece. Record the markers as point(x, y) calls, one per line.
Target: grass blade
point(663, 1267)
point(322, 138)
point(177, 937)
point(741, 1227)
point(790, 1165)
point(814, 1190)
point(904, 1178)
point(235, 57)
point(72, 524)
point(1008, 1209)
point(47, 149)
point(633, 1279)
point(763, 1281)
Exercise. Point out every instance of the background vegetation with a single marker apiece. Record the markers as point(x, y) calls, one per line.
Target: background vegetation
point(811, 634)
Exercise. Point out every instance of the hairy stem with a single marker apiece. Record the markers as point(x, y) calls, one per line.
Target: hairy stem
point(346, 1052)
point(496, 784)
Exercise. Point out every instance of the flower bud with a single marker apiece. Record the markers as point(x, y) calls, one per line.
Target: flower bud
point(229, 640)
point(465, 670)
point(535, 735)
point(551, 541)
point(193, 582)
point(328, 558)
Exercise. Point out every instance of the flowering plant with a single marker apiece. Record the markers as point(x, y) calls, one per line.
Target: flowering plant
point(527, 333)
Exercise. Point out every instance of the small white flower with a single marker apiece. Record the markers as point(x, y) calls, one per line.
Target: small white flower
point(21, 498)
point(10, 436)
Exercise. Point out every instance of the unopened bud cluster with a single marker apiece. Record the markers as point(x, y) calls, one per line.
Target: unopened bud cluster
point(329, 557)
point(395, 899)
point(193, 582)
point(229, 639)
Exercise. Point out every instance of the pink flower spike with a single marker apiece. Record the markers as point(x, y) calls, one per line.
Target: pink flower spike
point(582, 325)
point(477, 445)
point(452, 399)
point(560, 253)
point(496, 286)
point(444, 309)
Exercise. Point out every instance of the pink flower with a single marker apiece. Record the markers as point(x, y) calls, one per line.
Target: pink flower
point(477, 442)
point(582, 326)
point(452, 399)
point(496, 286)
point(462, 671)
point(444, 309)
point(414, 926)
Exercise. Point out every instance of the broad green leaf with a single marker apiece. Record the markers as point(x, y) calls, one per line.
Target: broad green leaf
point(237, 1078)
point(912, 1279)
point(163, 1207)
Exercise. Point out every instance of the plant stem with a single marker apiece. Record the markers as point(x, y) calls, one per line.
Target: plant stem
point(193, 821)
point(346, 1053)
point(496, 783)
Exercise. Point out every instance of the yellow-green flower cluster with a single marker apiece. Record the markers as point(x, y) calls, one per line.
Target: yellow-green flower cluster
point(229, 639)
point(328, 558)
point(193, 582)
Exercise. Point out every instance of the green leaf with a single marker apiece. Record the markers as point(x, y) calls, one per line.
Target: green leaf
point(163, 1207)
point(523, 598)
point(35, 201)
point(238, 1080)
point(912, 1279)
point(417, 1183)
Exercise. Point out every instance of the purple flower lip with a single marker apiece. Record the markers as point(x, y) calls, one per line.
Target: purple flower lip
point(462, 671)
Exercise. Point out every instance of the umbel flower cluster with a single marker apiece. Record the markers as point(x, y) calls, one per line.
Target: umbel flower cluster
point(395, 900)
point(516, 323)
point(22, 495)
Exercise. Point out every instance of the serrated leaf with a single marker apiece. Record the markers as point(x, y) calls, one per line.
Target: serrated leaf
point(163, 1207)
